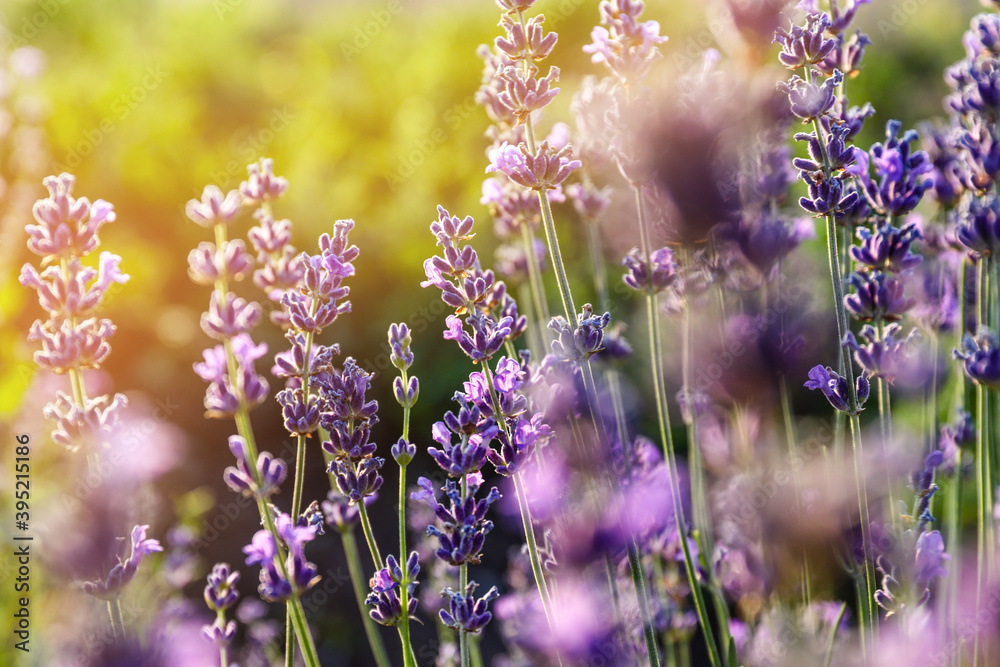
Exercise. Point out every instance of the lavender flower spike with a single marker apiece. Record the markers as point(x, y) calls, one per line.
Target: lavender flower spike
point(981, 358)
point(466, 613)
point(544, 170)
point(124, 571)
point(834, 387)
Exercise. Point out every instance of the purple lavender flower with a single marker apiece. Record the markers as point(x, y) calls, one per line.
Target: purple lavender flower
point(508, 380)
point(340, 512)
point(834, 151)
point(580, 343)
point(979, 225)
point(463, 523)
point(270, 471)
point(840, 18)
point(834, 387)
point(488, 335)
point(656, 275)
point(525, 437)
point(387, 607)
point(358, 479)
point(264, 550)
point(124, 570)
point(846, 55)
point(764, 239)
point(805, 45)
point(877, 296)
point(943, 149)
point(901, 172)
point(301, 414)
point(220, 592)
point(981, 358)
point(223, 396)
point(466, 613)
point(206, 264)
point(930, 558)
point(827, 195)
point(881, 358)
point(888, 249)
point(809, 100)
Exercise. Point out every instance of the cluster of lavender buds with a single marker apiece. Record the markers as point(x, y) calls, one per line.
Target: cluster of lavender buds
point(220, 595)
point(385, 601)
point(284, 570)
point(348, 417)
point(73, 338)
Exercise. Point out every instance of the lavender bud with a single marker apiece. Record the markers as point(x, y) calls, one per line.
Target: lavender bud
point(403, 452)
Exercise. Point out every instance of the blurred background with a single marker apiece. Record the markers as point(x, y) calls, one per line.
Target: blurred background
point(367, 109)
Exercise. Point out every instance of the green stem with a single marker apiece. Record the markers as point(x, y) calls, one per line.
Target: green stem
point(833, 635)
point(404, 624)
point(867, 620)
point(366, 529)
point(357, 582)
point(667, 442)
point(529, 535)
point(539, 304)
point(117, 622)
point(463, 584)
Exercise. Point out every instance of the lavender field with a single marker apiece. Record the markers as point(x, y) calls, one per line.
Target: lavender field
point(500, 333)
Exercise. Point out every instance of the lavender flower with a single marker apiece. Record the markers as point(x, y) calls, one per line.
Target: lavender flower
point(527, 43)
point(656, 275)
point(877, 296)
point(626, 45)
point(523, 92)
point(223, 397)
point(881, 358)
point(805, 45)
point(463, 523)
point(524, 439)
point(270, 471)
point(72, 338)
point(580, 343)
point(488, 335)
point(979, 225)
point(834, 387)
point(387, 608)
point(358, 480)
point(809, 100)
point(124, 570)
point(547, 168)
point(220, 592)
point(888, 249)
point(214, 207)
point(930, 558)
point(900, 170)
point(298, 575)
point(261, 184)
point(981, 358)
point(466, 613)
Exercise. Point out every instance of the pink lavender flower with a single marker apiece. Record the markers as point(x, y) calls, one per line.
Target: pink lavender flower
point(526, 42)
point(206, 264)
point(214, 207)
point(523, 92)
point(544, 170)
point(67, 227)
point(72, 338)
point(262, 185)
point(626, 45)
